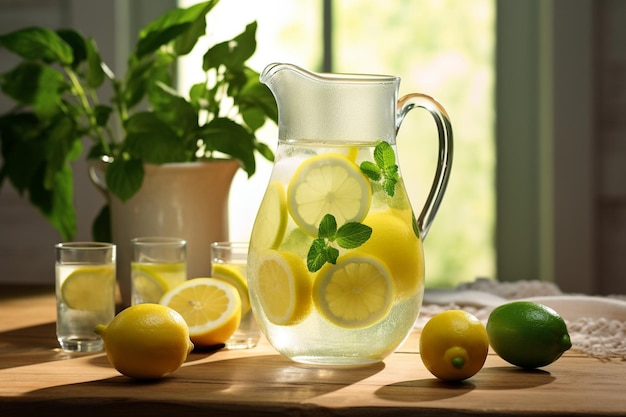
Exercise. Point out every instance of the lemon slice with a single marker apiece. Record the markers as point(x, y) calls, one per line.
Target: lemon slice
point(89, 288)
point(271, 221)
point(328, 184)
point(284, 287)
point(357, 292)
point(211, 308)
point(148, 284)
point(236, 279)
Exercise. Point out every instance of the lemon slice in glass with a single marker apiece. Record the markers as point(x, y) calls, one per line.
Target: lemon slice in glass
point(356, 292)
point(236, 279)
point(88, 288)
point(211, 308)
point(271, 221)
point(148, 284)
point(284, 287)
point(328, 184)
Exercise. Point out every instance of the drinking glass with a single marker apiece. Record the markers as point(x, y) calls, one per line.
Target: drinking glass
point(158, 265)
point(229, 262)
point(85, 293)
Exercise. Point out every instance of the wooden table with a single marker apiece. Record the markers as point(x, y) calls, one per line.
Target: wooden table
point(38, 379)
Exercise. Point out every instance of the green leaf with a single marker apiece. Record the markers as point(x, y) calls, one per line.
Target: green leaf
point(384, 155)
point(331, 254)
point(101, 226)
point(370, 170)
point(62, 145)
point(36, 85)
point(226, 136)
point(233, 53)
point(152, 140)
point(352, 235)
point(175, 23)
point(317, 256)
point(385, 171)
point(21, 138)
point(76, 41)
point(328, 227)
point(95, 74)
point(102, 114)
point(174, 109)
point(124, 177)
point(56, 203)
point(38, 44)
point(265, 151)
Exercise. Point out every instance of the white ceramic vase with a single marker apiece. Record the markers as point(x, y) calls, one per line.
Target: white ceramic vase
point(185, 200)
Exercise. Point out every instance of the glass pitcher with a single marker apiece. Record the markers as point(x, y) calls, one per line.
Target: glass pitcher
point(335, 262)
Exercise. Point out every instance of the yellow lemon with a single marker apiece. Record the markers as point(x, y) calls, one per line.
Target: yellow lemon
point(151, 281)
point(211, 308)
point(527, 334)
point(454, 345)
point(146, 341)
point(271, 221)
point(356, 292)
point(394, 243)
point(283, 286)
point(89, 288)
point(328, 184)
point(237, 279)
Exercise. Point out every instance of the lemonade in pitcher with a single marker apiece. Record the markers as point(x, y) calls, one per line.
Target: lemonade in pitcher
point(335, 263)
point(336, 254)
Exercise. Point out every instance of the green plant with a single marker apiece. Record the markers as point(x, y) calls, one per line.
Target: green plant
point(57, 88)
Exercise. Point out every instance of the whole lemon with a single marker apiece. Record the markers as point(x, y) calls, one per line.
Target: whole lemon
point(527, 334)
point(146, 341)
point(454, 345)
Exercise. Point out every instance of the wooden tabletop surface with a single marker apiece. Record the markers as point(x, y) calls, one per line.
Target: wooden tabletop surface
point(38, 379)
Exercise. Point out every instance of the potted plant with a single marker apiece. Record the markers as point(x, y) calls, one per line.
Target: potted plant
point(57, 89)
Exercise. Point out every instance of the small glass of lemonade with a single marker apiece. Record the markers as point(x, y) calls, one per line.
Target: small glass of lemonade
point(85, 293)
point(158, 265)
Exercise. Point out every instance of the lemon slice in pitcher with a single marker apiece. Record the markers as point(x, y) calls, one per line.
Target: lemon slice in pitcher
point(356, 292)
point(284, 287)
point(328, 184)
point(271, 221)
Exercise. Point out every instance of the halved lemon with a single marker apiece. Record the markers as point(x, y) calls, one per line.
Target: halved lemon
point(89, 288)
point(211, 308)
point(284, 287)
point(356, 292)
point(149, 282)
point(236, 279)
point(328, 184)
point(271, 220)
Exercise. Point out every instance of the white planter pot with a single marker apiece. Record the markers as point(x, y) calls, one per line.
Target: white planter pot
point(185, 200)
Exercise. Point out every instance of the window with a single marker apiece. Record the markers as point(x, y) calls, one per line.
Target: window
point(441, 48)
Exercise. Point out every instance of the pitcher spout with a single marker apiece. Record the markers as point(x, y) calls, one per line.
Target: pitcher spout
point(332, 107)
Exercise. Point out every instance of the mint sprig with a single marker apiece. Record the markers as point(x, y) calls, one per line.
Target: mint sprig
point(384, 170)
point(349, 236)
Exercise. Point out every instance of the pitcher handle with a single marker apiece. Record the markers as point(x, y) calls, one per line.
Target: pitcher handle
point(444, 163)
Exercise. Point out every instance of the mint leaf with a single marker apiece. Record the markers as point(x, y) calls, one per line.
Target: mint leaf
point(349, 236)
point(316, 257)
point(385, 171)
point(370, 170)
point(328, 227)
point(352, 235)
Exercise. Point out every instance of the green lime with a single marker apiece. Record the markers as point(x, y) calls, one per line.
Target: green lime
point(527, 334)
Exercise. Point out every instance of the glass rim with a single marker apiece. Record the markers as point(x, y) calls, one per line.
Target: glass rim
point(84, 245)
point(228, 244)
point(158, 241)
